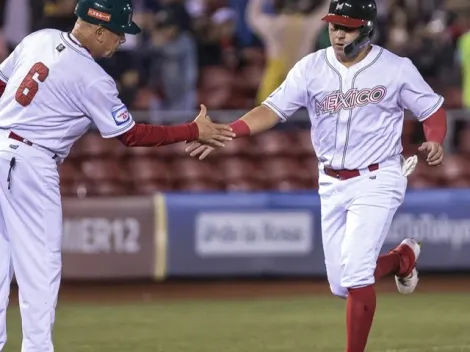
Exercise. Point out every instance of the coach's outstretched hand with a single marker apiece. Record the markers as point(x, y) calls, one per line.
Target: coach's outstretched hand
point(433, 152)
point(212, 133)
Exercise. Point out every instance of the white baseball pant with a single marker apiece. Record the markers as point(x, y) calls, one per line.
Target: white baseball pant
point(30, 240)
point(356, 215)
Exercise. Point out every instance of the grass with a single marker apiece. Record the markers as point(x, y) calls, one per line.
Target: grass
point(415, 323)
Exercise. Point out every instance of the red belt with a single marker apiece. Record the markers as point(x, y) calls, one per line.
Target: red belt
point(14, 136)
point(18, 138)
point(347, 174)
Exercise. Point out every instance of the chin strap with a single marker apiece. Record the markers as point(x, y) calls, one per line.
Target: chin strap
point(364, 39)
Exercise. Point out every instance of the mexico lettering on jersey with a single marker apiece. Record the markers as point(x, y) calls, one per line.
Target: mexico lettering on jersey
point(353, 98)
point(55, 91)
point(357, 113)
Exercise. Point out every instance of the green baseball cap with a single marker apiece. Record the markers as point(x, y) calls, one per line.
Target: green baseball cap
point(115, 15)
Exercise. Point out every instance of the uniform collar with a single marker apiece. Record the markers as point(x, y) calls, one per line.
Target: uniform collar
point(370, 57)
point(72, 41)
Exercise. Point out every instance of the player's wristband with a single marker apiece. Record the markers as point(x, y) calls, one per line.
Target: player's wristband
point(240, 128)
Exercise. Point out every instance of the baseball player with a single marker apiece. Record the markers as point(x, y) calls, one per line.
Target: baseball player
point(52, 91)
point(355, 94)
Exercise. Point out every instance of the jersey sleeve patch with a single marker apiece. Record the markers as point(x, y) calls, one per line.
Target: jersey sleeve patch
point(121, 115)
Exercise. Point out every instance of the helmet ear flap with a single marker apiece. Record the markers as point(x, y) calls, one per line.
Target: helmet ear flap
point(364, 39)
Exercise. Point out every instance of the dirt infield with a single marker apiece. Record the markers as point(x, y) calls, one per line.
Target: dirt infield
point(231, 289)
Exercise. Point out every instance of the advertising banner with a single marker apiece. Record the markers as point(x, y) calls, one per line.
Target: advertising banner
point(238, 234)
point(226, 235)
point(440, 219)
point(280, 233)
point(108, 238)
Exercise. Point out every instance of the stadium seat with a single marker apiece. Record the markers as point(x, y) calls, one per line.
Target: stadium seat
point(233, 169)
point(237, 147)
point(149, 175)
point(464, 141)
point(145, 169)
point(151, 152)
point(104, 170)
point(244, 185)
point(92, 145)
point(302, 140)
point(109, 189)
point(70, 178)
point(456, 171)
point(280, 168)
point(199, 185)
point(424, 176)
point(151, 187)
point(188, 169)
point(273, 143)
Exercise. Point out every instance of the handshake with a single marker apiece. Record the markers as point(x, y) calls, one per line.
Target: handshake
point(211, 136)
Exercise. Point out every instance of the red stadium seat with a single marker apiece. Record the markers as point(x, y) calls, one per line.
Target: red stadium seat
point(302, 140)
point(233, 169)
point(151, 187)
point(456, 171)
point(105, 170)
point(237, 147)
point(92, 145)
point(244, 185)
point(189, 169)
point(109, 189)
point(273, 143)
point(147, 169)
point(199, 185)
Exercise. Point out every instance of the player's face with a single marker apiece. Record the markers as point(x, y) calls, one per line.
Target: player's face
point(340, 36)
point(110, 41)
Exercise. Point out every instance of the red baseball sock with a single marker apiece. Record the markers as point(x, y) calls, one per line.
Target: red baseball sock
point(387, 264)
point(359, 316)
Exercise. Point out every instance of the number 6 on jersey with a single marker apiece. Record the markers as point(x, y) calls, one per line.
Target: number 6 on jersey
point(29, 86)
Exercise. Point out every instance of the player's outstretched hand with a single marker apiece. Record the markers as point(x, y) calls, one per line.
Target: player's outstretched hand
point(197, 148)
point(212, 133)
point(434, 153)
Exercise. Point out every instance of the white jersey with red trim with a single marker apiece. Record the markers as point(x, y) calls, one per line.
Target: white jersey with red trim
point(357, 113)
point(55, 90)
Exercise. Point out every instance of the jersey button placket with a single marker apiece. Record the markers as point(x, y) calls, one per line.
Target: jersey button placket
point(343, 117)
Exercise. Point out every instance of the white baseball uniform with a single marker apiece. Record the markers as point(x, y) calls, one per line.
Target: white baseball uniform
point(357, 116)
point(54, 92)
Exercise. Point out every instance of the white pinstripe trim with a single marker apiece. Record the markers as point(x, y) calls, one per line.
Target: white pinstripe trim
point(119, 131)
point(4, 78)
point(274, 108)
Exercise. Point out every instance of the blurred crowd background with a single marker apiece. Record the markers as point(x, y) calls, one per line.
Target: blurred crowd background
point(230, 55)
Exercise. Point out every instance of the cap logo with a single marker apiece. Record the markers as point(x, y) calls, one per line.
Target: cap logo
point(340, 6)
point(102, 16)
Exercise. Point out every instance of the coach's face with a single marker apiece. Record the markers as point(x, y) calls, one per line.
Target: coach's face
point(109, 41)
point(340, 36)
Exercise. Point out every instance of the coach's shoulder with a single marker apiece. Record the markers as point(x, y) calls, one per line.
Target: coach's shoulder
point(48, 32)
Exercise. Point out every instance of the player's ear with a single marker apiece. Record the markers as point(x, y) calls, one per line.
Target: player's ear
point(100, 34)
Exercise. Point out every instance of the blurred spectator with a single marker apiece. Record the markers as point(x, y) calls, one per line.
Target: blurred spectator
point(464, 60)
point(287, 34)
point(58, 14)
point(169, 61)
point(219, 44)
point(16, 23)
